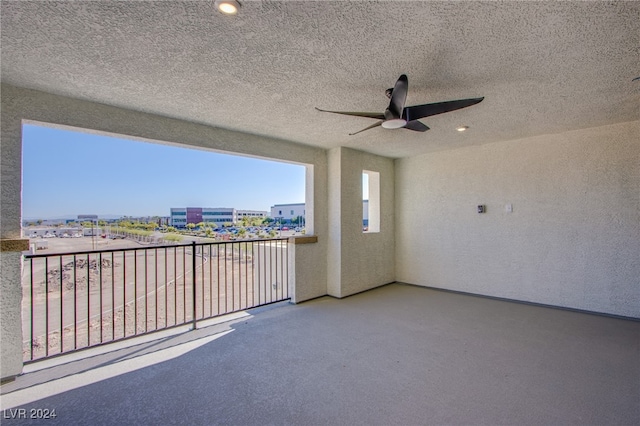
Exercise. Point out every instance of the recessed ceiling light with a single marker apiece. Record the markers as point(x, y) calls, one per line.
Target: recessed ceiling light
point(462, 128)
point(228, 7)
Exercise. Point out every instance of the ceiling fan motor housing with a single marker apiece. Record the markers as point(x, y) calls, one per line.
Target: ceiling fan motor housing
point(394, 123)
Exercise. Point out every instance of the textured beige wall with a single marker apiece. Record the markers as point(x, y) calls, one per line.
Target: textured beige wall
point(572, 240)
point(359, 261)
point(21, 104)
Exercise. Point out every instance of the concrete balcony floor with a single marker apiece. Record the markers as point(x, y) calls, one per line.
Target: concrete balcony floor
point(398, 354)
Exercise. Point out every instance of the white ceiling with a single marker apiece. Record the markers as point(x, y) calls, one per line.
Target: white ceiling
point(543, 67)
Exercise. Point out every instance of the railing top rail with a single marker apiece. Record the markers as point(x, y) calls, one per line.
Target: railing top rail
point(151, 247)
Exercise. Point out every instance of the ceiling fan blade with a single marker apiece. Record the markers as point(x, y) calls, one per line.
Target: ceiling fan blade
point(376, 115)
point(416, 112)
point(376, 124)
point(416, 126)
point(398, 98)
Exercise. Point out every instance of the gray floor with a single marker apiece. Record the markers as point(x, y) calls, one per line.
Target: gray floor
point(395, 355)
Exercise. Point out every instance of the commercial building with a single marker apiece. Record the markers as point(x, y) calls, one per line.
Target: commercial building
point(251, 213)
point(285, 213)
point(181, 216)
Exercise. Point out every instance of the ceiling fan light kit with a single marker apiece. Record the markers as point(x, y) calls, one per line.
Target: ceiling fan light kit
point(398, 116)
point(394, 123)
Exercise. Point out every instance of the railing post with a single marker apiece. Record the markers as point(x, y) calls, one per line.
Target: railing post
point(193, 280)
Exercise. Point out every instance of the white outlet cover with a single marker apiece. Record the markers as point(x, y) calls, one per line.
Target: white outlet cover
point(508, 208)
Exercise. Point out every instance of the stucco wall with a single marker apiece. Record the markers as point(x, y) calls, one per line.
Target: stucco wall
point(359, 261)
point(20, 104)
point(572, 240)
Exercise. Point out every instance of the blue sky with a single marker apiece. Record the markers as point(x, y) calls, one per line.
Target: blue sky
point(66, 173)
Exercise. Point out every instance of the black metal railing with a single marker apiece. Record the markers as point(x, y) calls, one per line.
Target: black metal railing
point(73, 301)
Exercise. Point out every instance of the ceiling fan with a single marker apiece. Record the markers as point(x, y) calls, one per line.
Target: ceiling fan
point(398, 116)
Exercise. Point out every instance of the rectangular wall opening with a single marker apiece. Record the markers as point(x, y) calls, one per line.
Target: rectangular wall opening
point(370, 201)
point(130, 236)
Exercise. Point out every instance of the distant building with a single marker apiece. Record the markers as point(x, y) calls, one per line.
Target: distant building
point(164, 220)
point(51, 232)
point(286, 212)
point(181, 216)
point(54, 222)
point(251, 213)
point(159, 220)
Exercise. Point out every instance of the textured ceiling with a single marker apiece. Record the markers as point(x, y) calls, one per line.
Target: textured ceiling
point(543, 67)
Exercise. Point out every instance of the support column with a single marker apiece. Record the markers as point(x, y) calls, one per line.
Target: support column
point(10, 307)
point(357, 260)
point(334, 250)
point(11, 244)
